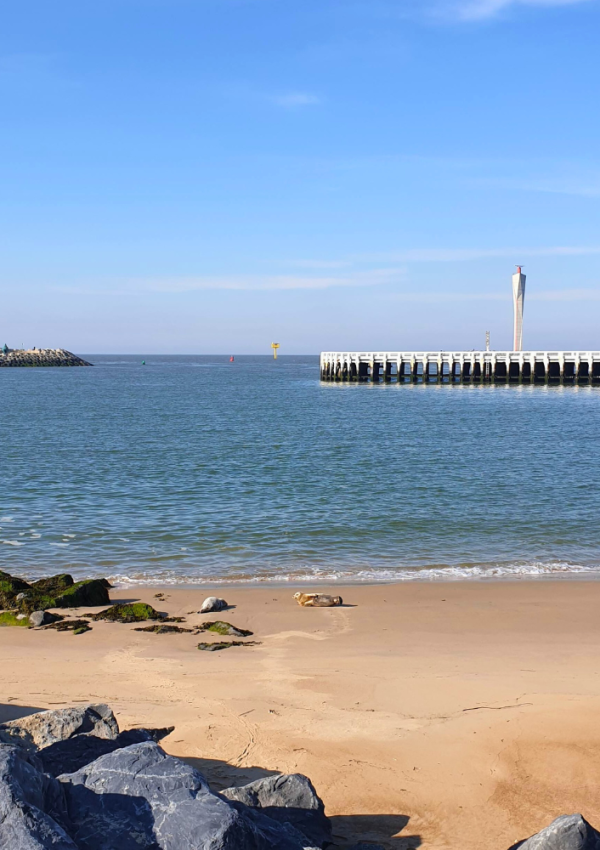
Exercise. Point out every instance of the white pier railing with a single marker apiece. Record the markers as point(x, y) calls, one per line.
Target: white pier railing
point(462, 366)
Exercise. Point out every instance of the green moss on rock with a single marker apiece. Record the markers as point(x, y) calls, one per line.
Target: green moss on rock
point(159, 629)
point(53, 585)
point(78, 627)
point(12, 584)
point(220, 627)
point(89, 592)
point(225, 644)
point(7, 618)
point(128, 612)
point(58, 591)
point(10, 587)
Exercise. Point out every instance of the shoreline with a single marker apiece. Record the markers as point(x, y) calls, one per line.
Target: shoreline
point(418, 710)
point(300, 584)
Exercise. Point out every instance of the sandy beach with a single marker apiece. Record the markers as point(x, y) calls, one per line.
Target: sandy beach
point(458, 715)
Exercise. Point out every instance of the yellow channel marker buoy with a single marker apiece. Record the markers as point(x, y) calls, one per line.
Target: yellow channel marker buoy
point(274, 346)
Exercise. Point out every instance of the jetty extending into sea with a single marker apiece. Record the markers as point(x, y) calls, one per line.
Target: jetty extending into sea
point(565, 367)
point(39, 357)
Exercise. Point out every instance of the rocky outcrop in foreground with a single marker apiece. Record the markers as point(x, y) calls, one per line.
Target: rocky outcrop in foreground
point(69, 780)
point(40, 357)
point(568, 832)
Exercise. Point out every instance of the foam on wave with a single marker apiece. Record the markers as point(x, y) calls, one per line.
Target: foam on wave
point(372, 576)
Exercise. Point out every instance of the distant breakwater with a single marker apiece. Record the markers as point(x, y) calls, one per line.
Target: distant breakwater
point(40, 357)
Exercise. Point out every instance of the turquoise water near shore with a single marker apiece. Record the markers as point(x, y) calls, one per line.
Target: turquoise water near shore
point(194, 469)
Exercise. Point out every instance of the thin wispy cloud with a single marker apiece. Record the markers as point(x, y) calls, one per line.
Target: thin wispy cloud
point(587, 186)
point(295, 99)
point(360, 270)
point(461, 255)
point(539, 175)
point(452, 297)
point(566, 295)
point(273, 282)
point(243, 282)
point(474, 10)
point(321, 264)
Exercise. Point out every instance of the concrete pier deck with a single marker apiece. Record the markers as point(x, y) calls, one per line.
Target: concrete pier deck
point(462, 366)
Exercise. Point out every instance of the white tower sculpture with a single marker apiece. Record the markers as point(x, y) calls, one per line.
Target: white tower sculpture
point(518, 282)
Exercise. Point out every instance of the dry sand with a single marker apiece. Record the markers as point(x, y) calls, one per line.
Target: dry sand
point(460, 716)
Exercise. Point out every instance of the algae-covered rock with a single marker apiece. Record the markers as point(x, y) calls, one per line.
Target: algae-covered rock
point(91, 592)
point(159, 629)
point(78, 627)
point(54, 592)
point(128, 612)
point(9, 618)
point(220, 627)
point(53, 585)
point(10, 587)
point(225, 644)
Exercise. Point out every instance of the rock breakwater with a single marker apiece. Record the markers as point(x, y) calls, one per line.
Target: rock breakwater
point(40, 357)
point(71, 780)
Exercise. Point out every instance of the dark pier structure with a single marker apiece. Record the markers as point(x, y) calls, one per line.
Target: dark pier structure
point(474, 367)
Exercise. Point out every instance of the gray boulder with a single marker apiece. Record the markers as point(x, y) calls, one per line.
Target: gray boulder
point(47, 727)
point(26, 797)
point(568, 832)
point(141, 798)
point(366, 846)
point(43, 618)
point(71, 755)
point(287, 799)
point(277, 836)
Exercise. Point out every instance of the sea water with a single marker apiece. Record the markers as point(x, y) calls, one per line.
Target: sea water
point(196, 470)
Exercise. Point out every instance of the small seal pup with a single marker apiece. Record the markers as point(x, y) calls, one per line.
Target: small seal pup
point(317, 600)
point(213, 603)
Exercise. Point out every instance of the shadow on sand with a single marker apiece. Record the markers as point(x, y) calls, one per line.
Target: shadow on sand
point(12, 711)
point(347, 829)
point(220, 775)
point(373, 829)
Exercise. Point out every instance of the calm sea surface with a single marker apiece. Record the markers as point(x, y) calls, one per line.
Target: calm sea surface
point(192, 469)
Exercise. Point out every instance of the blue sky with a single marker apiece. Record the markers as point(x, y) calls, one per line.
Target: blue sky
point(205, 176)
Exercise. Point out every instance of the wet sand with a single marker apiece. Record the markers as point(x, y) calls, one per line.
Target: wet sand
point(459, 715)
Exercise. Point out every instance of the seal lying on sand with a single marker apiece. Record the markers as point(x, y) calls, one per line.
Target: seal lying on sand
point(213, 603)
point(317, 600)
